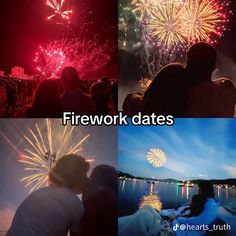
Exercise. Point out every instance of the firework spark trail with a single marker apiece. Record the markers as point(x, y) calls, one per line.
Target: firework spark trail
point(204, 19)
point(166, 25)
point(46, 148)
point(174, 25)
point(87, 56)
point(57, 7)
point(10, 143)
point(50, 61)
point(156, 157)
point(144, 7)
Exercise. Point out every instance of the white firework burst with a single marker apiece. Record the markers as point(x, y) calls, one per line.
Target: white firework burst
point(156, 157)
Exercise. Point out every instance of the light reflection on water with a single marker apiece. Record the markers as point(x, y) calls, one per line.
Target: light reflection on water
point(134, 194)
point(151, 199)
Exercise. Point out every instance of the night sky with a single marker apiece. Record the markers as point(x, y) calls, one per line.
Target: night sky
point(226, 49)
point(24, 26)
point(101, 145)
point(195, 149)
point(226, 61)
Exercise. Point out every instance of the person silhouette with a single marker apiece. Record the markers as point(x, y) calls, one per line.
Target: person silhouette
point(54, 210)
point(73, 99)
point(167, 92)
point(100, 202)
point(203, 96)
point(46, 103)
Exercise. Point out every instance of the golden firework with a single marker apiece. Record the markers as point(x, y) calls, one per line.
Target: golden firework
point(156, 157)
point(176, 24)
point(143, 7)
point(202, 18)
point(45, 148)
point(166, 24)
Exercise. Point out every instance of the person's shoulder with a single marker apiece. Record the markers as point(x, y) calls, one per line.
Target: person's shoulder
point(36, 196)
point(41, 191)
point(62, 194)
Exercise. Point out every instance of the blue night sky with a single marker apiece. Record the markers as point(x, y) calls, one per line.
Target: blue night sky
point(101, 146)
point(195, 148)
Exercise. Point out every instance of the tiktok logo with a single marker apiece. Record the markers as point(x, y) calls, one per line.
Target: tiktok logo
point(175, 228)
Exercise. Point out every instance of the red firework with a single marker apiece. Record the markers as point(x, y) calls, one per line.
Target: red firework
point(49, 61)
point(58, 8)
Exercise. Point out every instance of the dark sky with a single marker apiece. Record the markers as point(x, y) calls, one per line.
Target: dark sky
point(23, 26)
point(227, 48)
point(101, 146)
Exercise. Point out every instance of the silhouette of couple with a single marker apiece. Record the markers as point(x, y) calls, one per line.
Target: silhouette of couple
point(56, 210)
point(203, 210)
point(186, 91)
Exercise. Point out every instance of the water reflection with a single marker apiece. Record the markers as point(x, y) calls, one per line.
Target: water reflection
point(187, 191)
point(122, 185)
point(177, 191)
point(183, 191)
point(166, 195)
point(218, 191)
point(151, 199)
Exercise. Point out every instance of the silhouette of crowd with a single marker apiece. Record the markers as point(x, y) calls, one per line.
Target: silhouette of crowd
point(49, 98)
point(186, 91)
point(18, 92)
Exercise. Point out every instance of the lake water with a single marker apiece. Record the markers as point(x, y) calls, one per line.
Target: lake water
point(162, 195)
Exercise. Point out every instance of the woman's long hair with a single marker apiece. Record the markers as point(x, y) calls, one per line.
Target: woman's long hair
point(167, 93)
point(105, 175)
point(197, 205)
point(46, 102)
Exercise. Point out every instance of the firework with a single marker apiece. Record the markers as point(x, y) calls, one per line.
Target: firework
point(58, 7)
point(45, 148)
point(49, 61)
point(143, 7)
point(166, 25)
point(173, 25)
point(156, 157)
point(89, 57)
point(205, 20)
point(177, 24)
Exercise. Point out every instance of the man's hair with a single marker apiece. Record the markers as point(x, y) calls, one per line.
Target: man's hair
point(201, 59)
point(70, 78)
point(70, 171)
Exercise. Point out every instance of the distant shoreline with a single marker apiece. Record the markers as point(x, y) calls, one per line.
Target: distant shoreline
point(225, 182)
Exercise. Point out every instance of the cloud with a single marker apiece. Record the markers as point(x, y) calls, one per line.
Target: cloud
point(6, 217)
point(231, 170)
